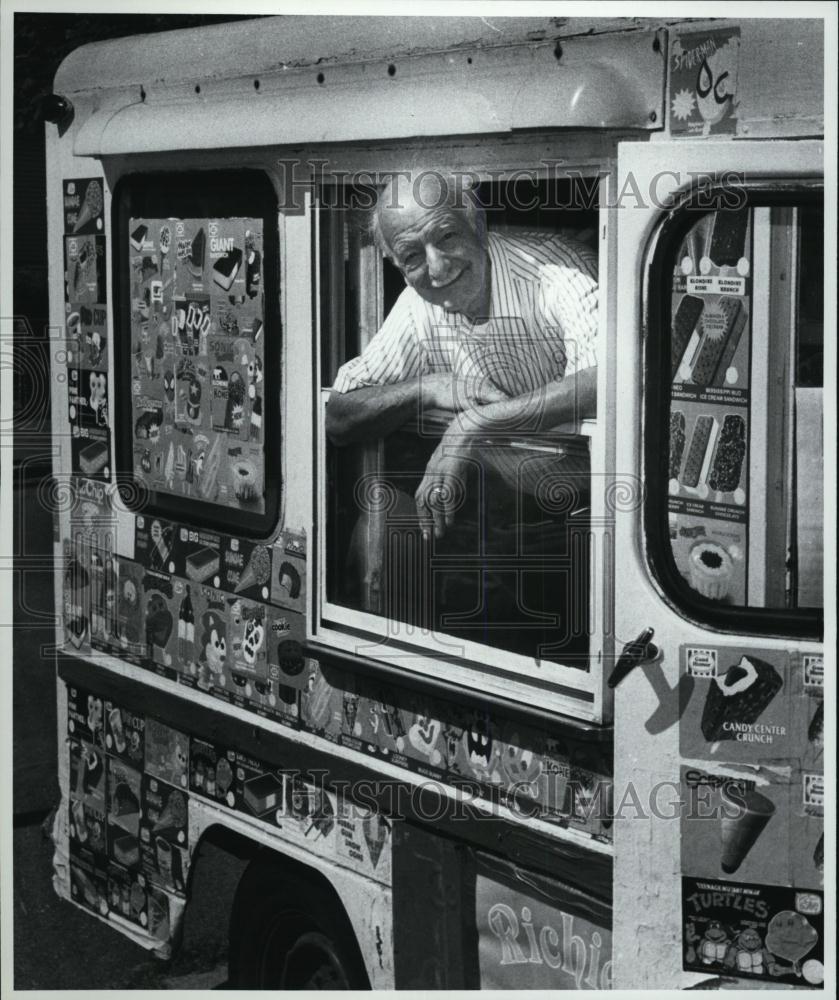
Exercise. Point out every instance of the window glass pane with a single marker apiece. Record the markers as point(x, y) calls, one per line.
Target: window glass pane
point(196, 287)
point(745, 440)
point(512, 569)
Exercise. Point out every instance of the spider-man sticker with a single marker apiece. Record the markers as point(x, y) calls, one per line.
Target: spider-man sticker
point(703, 96)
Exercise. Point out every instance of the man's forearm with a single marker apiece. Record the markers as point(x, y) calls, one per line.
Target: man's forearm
point(371, 412)
point(572, 398)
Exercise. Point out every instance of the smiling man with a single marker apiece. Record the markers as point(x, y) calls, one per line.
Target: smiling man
point(497, 329)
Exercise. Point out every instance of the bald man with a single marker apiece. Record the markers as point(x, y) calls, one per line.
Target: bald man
point(498, 330)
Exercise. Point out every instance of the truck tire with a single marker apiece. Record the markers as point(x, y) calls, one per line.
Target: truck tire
point(288, 931)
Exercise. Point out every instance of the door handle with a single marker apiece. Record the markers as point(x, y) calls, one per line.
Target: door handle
point(640, 650)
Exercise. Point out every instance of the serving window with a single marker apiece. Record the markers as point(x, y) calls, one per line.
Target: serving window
point(512, 574)
point(736, 504)
point(196, 265)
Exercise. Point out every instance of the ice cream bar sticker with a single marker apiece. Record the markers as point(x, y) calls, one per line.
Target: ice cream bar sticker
point(743, 712)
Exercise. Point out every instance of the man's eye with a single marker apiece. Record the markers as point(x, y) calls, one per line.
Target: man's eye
point(413, 261)
point(447, 239)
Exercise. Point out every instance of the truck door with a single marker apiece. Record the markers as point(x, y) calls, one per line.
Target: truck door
point(719, 412)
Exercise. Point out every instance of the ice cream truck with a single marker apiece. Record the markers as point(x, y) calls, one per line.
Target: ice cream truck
point(586, 758)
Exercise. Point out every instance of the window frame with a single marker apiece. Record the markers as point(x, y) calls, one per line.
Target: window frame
point(657, 278)
point(246, 192)
point(513, 678)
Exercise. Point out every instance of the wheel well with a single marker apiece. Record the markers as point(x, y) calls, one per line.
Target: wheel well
point(317, 891)
point(218, 861)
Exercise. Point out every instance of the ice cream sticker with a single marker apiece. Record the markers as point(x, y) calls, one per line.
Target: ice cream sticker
point(740, 707)
point(83, 206)
point(753, 931)
point(733, 826)
point(703, 82)
point(198, 373)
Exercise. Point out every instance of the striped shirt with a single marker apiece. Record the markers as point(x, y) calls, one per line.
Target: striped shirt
point(542, 324)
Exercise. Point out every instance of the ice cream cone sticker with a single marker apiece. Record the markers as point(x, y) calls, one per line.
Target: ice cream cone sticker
point(376, 829)
point(91, 206)
point(743, 820)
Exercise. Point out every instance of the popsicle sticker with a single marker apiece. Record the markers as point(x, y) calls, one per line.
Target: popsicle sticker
point(791, 936)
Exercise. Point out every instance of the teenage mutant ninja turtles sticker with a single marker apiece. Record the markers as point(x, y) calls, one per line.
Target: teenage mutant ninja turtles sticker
point(703, 82)
point(753, 932)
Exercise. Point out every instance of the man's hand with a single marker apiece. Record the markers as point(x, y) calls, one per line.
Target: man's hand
point(445, 392)
point(443, 486)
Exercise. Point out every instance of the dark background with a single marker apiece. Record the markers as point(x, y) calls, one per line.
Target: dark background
point(56, 946)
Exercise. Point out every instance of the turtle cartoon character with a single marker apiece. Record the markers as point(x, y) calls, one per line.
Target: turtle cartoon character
point(712, 947)
point(747, 955)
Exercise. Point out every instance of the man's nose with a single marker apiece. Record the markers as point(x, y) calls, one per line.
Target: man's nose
point(438, 264)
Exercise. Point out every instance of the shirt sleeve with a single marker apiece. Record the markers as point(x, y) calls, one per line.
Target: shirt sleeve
point(391, 356)
point(568, 300)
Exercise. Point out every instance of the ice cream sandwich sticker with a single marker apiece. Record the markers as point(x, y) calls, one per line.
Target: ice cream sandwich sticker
point(226, 254)
point(703, 98)
point(83, 206)
point(744, 713)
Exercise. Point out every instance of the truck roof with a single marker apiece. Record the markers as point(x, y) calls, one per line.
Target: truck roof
point(289, 42)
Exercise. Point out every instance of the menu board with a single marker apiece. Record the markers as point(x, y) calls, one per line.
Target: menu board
point(708, 500)
point(197, 358)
